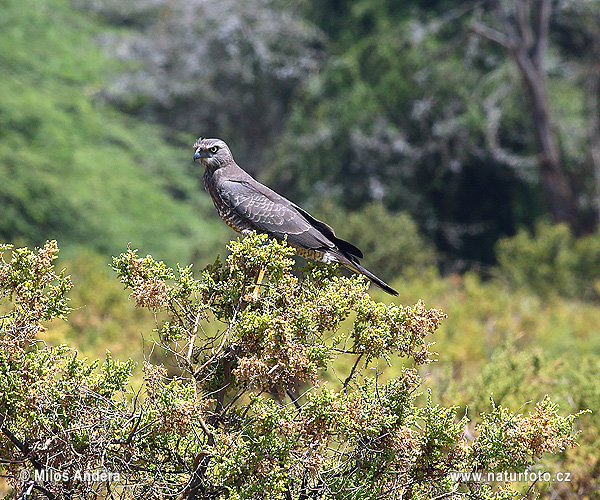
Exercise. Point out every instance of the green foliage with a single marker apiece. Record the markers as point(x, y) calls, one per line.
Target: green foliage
point(287, 330)
point(391, 243)
point(260, 51)
point(511, 442)
point(517, 346)
point(405, 105)
point(412, 110)
point(68, 163)
point(101, 315)
point(552, 261)
point(484, 314)
point(374, 101)
point(217, 425)
point(29, 281)
point(514, 375)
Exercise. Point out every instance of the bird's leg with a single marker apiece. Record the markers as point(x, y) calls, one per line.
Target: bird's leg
point(261, 275)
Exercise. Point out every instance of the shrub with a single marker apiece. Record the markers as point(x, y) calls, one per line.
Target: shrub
point(552, 261)
point(242, 412)
point(391, 242)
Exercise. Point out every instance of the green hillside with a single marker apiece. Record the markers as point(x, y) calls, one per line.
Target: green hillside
point(72, 168)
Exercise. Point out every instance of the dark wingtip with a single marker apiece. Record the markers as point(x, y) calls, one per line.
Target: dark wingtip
point(355, 266)
point(347, 247)
point(381, 284)
point(389, 290)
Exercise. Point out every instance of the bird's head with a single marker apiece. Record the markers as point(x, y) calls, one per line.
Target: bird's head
point(213, 153)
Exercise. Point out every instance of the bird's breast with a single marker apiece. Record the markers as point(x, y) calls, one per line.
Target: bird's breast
point(232, 219)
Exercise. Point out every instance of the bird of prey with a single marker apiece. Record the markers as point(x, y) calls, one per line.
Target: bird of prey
point(246, 205)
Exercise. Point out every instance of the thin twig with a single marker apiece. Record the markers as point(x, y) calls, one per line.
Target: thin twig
point(293, 398)
point(347, 381)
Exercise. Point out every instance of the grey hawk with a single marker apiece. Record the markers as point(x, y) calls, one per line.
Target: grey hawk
point(246, 205)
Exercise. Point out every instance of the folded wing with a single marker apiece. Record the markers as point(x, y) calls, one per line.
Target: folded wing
point(267, 212)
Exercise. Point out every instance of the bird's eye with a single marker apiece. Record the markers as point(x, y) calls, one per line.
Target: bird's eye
point(214, 149)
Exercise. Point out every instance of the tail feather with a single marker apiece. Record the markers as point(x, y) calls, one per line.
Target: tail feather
point(378, 281)
point(356, 267)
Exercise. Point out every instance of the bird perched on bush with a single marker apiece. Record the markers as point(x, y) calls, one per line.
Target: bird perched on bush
point(246, 205)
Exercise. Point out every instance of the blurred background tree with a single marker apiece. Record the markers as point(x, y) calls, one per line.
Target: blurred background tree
point(218, 68)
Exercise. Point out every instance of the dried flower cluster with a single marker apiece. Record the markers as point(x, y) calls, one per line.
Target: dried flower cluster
point(29, 281)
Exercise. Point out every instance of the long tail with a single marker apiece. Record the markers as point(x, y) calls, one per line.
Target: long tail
point(356, 267)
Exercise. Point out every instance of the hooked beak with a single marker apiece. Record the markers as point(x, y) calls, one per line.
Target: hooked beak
point(201, 154)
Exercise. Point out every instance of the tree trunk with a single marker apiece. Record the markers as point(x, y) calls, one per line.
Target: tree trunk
point(593, 109)
point(523, 32)
point(559, 195)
